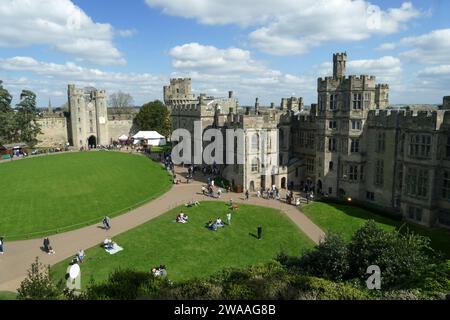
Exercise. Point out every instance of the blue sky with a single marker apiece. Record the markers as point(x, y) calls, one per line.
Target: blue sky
point(258, 48)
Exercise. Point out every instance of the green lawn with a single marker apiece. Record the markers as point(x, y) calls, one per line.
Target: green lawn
point(345, 219)
point(191, 250)
point(67, 191)
point(4, 295)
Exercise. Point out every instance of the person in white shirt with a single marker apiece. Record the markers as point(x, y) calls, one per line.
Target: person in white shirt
point(229, 218)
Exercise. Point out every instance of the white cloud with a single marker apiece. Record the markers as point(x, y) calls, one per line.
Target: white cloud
point(127, 33)
point(52, 79)
point(386, 46)
point(387, 69)
point(430, 48)
point(215, 71)
point(60, 24)
point(287, 27)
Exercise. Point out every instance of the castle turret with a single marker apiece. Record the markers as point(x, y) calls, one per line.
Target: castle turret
point(446, 103)
point(339, 64)
point(257, 106)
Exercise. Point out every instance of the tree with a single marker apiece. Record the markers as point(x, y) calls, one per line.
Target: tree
point(121, 100)
point(26, 118)
point(401, 257)
point(38, 285)
point(7, 121)
point(328, 260)
point(154, 116)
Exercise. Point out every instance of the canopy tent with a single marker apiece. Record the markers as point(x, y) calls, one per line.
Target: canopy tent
point(123, 138)
point(153, 138)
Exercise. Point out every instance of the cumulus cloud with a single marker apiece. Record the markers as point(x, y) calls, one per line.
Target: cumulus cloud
point(288, 27)
point(215, 71)
point(387, 69)
point(59, 24)
point(53, 78)
point(430, 48)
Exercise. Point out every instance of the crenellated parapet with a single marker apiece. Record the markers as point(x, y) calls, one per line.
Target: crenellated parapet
point(410, 120)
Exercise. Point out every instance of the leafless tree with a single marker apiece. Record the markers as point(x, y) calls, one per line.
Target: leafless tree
point(121, 100)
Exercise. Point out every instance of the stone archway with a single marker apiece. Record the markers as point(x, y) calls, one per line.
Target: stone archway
point(92, 142)
point(283, 183)
point(252, 186)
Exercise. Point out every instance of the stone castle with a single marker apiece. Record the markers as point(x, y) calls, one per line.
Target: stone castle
point(350, 145)
point(87, 122)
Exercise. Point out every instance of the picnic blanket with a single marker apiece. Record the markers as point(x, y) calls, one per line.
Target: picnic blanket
point(116, 248)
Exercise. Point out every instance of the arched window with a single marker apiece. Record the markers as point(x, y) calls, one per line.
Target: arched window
point(255, 142)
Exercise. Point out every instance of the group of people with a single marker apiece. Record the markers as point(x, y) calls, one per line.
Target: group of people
point(182, 218)
point(159, 271)
point(214, 225)
point(218, 223)
point(272, 193)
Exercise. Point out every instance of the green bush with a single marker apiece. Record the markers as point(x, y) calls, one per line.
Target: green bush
point(126, 285)
point(328, 260)
point(399, 256)
point(38, 284)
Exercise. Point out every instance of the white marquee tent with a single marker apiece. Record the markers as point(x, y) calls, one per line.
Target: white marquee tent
point(153, 138)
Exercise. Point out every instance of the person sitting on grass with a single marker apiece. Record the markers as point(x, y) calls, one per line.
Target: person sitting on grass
point(108, 244)
point(192, 203)
point(212, 226)
point(182, 218)
point(80, 256)
point(219, 223)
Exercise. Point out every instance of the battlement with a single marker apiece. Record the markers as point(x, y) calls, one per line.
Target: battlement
point(424, 120)
point(382, 86)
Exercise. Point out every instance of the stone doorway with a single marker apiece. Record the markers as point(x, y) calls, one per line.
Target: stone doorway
point(92, 142)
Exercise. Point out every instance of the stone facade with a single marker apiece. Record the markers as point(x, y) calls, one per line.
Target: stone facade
point(88, 121)
point(348, 145)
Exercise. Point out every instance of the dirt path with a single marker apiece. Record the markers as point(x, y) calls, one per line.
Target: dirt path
point(20, 254)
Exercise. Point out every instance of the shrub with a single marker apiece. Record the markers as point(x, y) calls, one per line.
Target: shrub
point(126, 285)
point(399, 256)
point(38, 284)
point(328, 260)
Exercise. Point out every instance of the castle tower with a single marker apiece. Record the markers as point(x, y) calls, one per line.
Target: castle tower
point(339, 64)
point(88, 117)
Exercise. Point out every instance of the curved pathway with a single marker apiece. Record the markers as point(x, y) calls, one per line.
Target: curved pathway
point(19, 255)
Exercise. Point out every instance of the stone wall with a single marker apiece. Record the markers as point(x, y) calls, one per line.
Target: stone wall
point(116, 128)
point(54, 132)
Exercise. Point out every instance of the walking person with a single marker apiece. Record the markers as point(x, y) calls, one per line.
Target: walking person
point(259, 232)
point(47, 247)
point(106, 223)
point(1, 245)
point(246, 195)
point(229, 218)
